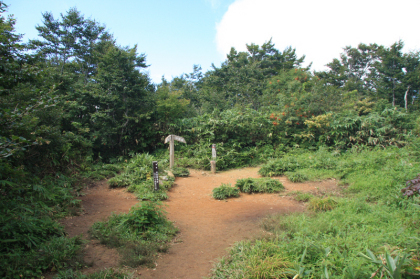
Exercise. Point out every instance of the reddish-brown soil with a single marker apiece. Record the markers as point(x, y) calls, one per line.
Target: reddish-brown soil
point(207, 226)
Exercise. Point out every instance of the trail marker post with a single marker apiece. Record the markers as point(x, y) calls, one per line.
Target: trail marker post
point(213, 155)
point(171, 139)
point(156, 175)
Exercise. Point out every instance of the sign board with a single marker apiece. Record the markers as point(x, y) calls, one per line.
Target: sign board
point(156, 175)
point(171, 139)
point(213, 151)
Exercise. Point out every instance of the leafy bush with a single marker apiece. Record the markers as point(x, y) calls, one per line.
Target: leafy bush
point(139, 234)
point(225, 191)
point(180, 172)
point(259, 185)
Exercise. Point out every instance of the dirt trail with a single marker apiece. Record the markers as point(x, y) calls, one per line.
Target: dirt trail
point(207, 226)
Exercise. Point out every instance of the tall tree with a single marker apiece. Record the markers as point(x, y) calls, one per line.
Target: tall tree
point(242, 78)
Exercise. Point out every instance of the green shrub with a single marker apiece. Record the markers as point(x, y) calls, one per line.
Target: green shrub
point(225, 191)
point(180, 172)
point(259, 185)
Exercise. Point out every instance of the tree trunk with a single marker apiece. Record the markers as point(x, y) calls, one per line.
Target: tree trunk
point(405, 97)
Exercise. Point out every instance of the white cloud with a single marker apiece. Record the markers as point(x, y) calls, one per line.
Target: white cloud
point(318, 29)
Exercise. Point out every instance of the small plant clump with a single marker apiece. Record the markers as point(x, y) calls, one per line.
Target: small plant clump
point(301, 197)
point(139, 234)
point(180, 172)
point(322, 204)
point(225, 191)
point(259, 185)
point(296, 177)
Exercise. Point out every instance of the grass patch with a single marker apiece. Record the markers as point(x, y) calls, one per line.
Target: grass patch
point(180, 172)
point(103, 274)
point(300, 196)
point(330, 239)
point(139, 234)
point(259, 185)
point(225, 191)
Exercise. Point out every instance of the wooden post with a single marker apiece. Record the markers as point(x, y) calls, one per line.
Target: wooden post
point(171, 139)
point(156, 175)
point(171, 153)
point(213, 166)
point(213, 162)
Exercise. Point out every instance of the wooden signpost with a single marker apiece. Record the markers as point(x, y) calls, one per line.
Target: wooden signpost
point(171, 139)
point(213, 162)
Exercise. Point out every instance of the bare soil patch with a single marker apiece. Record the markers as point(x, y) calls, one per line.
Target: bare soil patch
point(207, 226)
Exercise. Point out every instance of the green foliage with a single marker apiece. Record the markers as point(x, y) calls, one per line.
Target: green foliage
point(180, 172)
point(259, 185)
point(225, 191)
point(139, 234)
point(388, 265)
point(57, 253)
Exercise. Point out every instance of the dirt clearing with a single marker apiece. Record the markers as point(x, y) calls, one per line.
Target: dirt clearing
point(207, 226)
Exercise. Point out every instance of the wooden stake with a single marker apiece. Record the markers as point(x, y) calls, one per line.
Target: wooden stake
point(171, 153)
point(213, 166)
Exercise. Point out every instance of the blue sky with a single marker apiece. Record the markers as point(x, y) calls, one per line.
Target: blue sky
point(176, 34)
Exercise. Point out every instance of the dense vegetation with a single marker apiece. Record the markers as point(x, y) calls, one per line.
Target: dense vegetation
point(75, 105)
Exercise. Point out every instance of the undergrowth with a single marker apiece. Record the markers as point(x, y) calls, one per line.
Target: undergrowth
point(137, 176)
point(140, 234)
